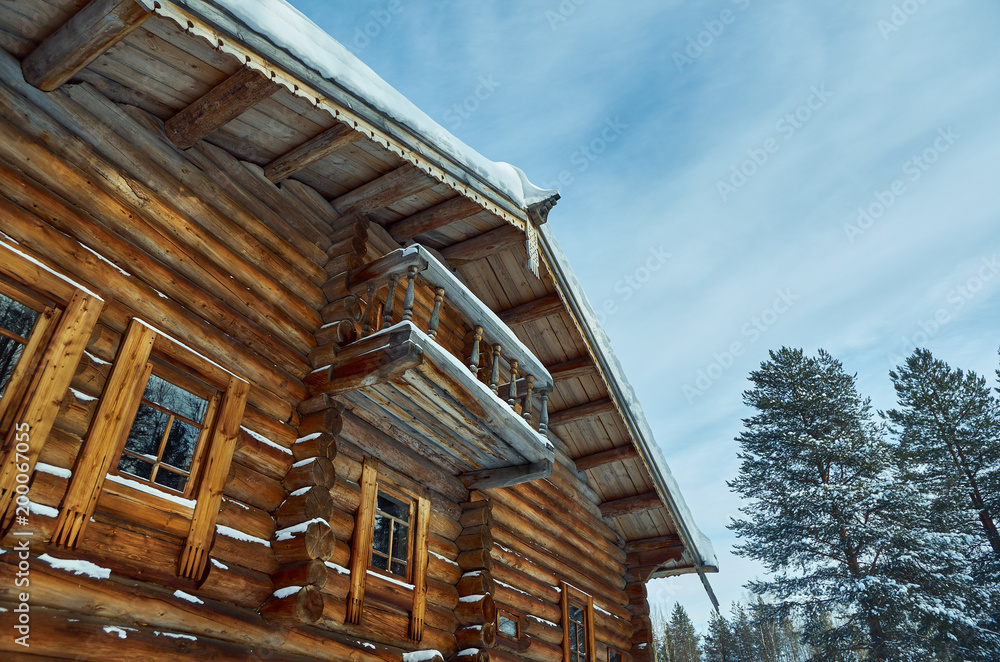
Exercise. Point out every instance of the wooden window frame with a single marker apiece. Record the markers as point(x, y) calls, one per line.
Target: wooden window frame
point(570, 595)
point(504, 640)
point(212, 396)
point(33, 397)
point(621, 654)
point(104, 444)
point(411, 502)
point(27, 365)
point(361, 548)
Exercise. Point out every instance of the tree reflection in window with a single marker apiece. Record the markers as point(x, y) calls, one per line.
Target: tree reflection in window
point(164, 436)
point(390, 542)
point(577, 634)
point(16, 323)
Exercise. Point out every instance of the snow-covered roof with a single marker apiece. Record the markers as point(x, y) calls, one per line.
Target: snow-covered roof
point(301, 43)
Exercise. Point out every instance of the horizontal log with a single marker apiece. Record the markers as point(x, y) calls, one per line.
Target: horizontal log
point(303, 607)
point(233, 583)
point(316, 444)
point(476, 583)
point(253, 487)
point(248, 519)
point(587, 410)
point(337, 333)
point(476, 636)
point(329, 421)
point(631, 504)
point(318, 147)
point(430, 219)
point(595, 460)
point(80, 40)
point(652, 544)
point(532, 310)
point(349, 308)
point(223, 103)
point(268, 458)
point(385, 190)
point(133, 602)
point(476, 609)
point(506, 476)
point(484, 245)
point(316, 471)
point(256, 553)
point(316, 542)
point(303, 506)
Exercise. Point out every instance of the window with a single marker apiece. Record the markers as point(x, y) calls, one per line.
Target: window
point(578, 625)
point(168, 429)
point(390, 538)
point(16, 322)
point(156, 423)
point(391, 534)
point(508, 624)
point(615, 655)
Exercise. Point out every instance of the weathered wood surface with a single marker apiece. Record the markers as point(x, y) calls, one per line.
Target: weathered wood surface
point(484, 245)
point(435, 217)
point(586, 410)
point(632, 504)
point(532, 310)
point(87, 35)
point(314, 149)
point(224, 102)
point(606, 457)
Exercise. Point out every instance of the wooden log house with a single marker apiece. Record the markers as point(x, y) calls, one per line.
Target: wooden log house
point(287, 372)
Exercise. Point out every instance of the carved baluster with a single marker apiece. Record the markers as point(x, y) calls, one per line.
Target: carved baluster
point(474, 358)
point(495, 373)
point(526, 409)
point(387, 318)
point(512, 393)
point(543, 415)
point(432, 325)
point(411, 278)
point(369, 311)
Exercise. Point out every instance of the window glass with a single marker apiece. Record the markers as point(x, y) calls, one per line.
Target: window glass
point(164, 436)
point(577, 635)
point(507, 624)
point(391, 539)
point(614, 656)
point(16, 322)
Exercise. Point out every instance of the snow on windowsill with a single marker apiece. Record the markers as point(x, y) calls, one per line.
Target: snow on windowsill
point(142, 487)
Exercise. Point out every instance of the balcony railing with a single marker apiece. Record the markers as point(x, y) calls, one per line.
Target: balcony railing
point(486, 388)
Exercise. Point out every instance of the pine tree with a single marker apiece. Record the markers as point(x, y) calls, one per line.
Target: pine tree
point(719, 642)
point(681, 638)
point(948, 423)
point(947, 426)
point(829, 517)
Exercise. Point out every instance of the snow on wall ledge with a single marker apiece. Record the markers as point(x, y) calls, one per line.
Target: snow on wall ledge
point(291, 31)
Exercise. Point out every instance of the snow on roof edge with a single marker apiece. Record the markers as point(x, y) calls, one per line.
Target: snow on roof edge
point(700, 546)
point(295, 35)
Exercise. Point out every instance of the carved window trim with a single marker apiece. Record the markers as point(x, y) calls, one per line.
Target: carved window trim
point(361, 548)
point(68, 314)
point(143, 351)
point(574, 597)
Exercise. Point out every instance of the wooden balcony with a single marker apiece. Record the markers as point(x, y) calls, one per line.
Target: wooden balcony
point(477, 410)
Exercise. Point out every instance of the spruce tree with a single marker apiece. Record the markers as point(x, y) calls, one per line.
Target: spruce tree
point(719, 645)
point(829, 517)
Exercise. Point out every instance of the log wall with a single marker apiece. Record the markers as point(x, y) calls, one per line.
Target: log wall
point(250, 275)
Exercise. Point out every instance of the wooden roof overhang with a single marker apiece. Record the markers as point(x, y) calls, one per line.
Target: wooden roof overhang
point(206, 77)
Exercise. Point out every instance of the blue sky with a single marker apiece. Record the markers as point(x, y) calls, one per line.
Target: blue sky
point(743, 139)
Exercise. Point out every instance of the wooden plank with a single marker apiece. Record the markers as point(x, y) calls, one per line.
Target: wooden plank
point(111, 422)
point(506, 476)
point(383, 191)
point(588, 410)
point(309, 152)
point(483, 245)
point(223, 103)
point(629, 505)
point(79, 41)
point(581, 366)
point(218, 458)
point(532, 310)
point(605, 457)
point(435, 217)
